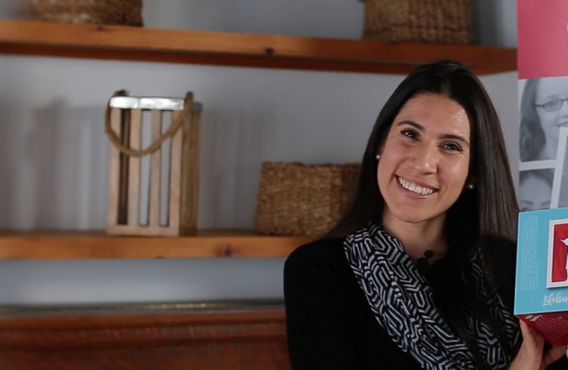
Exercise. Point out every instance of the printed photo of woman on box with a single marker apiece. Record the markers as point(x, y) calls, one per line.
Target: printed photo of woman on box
point(535, 189)
point(543, 112)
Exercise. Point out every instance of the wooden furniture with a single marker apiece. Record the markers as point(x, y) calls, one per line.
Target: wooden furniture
point(156, 337)
point(210, 48)
point(235, 49)
point(98, 245)
point(124, 129)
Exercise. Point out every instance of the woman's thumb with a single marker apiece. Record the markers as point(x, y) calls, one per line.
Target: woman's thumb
point(553, 355)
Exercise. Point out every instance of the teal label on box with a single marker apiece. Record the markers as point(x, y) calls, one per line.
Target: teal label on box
point(542, 252)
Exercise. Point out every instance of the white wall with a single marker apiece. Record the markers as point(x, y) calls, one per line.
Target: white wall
point(53, 152)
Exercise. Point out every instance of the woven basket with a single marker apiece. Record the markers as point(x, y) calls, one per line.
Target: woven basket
point(109, 12)
point(303, 200)
point(426, 21)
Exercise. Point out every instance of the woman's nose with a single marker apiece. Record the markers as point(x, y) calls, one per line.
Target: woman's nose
point(426, 159)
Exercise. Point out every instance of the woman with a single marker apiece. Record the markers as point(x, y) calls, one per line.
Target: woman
point(543, 112)
point(419, 273)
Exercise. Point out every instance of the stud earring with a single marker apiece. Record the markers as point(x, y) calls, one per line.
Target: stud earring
point(378, 157)
point(470, 186)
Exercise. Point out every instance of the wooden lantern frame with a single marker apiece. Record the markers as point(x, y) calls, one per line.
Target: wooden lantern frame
point(124, 128)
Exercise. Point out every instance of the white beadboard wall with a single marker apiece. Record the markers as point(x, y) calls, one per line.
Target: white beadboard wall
point(54, 154)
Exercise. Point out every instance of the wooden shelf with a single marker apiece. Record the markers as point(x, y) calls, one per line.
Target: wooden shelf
point(57, 245)
point(235, 49)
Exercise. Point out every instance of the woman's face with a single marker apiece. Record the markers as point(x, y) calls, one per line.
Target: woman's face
point(552, 114)
point(534, 193)
point(424, 161)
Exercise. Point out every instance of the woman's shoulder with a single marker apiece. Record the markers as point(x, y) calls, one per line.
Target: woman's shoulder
point(320, 259)
point(319, 250)
point(321, 271)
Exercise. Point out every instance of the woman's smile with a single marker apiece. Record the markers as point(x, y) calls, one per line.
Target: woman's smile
point(414, 187)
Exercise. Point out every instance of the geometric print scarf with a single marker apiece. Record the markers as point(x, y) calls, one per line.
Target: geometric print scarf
point(402, 303)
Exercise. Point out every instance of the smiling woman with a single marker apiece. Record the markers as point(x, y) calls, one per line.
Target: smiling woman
point(419, 273)
point(424, 166)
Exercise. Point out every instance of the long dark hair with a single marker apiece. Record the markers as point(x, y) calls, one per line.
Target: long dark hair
point(532, 138)
point(485, 216)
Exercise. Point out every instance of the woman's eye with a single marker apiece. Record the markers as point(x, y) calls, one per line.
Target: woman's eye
point(411, 134)
point(552, 104)
point(452, 147)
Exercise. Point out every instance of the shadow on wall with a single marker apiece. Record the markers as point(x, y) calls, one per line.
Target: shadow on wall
point(316, 18)
point(54, 166)
point(494, 22)
point(9, 9)
point(68, 153)
point(8, 164)
point(235, 141)
point(66, 156)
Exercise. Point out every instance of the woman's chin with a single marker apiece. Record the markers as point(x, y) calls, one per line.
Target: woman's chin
point(412, 215)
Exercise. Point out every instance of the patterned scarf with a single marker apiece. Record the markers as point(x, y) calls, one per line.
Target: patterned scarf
point(401, 300)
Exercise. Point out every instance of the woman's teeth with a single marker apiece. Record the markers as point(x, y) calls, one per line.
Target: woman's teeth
point(415, 188)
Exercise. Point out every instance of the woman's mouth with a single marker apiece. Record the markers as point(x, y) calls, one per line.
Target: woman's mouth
point(421, 190)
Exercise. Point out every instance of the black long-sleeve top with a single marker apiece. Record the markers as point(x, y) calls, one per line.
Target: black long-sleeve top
point(329, 322)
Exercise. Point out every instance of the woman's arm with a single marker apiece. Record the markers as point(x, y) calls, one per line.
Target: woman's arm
point(317, 327)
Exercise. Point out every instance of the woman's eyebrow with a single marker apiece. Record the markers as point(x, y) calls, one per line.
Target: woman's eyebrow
point(411, 123)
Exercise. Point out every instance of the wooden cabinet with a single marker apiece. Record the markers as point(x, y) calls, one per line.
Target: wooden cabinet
point(151, 337)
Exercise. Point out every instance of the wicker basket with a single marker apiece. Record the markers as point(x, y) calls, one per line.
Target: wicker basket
point(303, 200)
point(109, 12)
point(427, 21)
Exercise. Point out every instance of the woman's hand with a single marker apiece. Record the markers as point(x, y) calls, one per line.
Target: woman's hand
point(530, 355)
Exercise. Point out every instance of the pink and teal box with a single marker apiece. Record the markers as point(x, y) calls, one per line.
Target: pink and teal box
point(541, 288)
